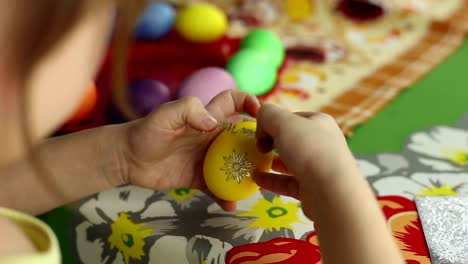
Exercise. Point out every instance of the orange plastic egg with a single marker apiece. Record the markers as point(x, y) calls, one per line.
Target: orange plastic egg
point(87, 106)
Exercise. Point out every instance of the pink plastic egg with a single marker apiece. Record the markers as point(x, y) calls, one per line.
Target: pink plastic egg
point(206, 83)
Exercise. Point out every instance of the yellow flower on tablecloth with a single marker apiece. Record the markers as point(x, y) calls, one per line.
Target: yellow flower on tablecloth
point(184, 197)
point(118, 222)
point(181, 194)
point(128, 237)
point(460, 157)
point(273, 215)
point(435, 190)
point(263, 215)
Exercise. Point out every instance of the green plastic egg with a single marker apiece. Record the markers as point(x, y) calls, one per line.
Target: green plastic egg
point(251, 72)
point(265, 41)
point(254, 55)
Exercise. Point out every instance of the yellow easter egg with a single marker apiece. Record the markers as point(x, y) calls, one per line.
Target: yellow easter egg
point(231, 161)
point(201, 22)
point(299, 9)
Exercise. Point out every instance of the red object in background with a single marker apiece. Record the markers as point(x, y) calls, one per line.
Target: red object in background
point(361, 10)
point(172, 59)
point(88, 104)
point(275, 251)
point(401, 217)
point(169, 60)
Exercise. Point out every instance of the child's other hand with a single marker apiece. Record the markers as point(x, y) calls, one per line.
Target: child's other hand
point(166, 149)
point(325, 177)
point(311, 147)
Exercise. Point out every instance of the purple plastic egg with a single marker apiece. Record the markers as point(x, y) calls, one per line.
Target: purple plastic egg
point(145, 95)
point(206, 83)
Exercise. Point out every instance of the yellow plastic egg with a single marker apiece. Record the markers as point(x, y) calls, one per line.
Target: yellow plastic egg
point(231, 161)
point(201, 22)
point(299, 9)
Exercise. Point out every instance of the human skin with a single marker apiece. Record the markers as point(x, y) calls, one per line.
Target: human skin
point(319, 170)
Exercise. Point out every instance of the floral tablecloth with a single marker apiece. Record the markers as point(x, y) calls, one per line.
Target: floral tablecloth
point(134, 225)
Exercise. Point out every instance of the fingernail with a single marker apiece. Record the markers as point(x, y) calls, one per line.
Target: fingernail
point(256, 177)
point(257, 102)
point(265, 144)
point(210, 123)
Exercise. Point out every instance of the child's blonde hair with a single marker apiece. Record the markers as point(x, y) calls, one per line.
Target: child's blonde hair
point(41, 26)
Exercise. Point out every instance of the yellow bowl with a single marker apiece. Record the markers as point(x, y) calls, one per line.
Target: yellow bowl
point(231, 161)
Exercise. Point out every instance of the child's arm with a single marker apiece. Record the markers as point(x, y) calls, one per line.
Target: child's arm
point(350, 224)
point(163, 150)
point(76, 166)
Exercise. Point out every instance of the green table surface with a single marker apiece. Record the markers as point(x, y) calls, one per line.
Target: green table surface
point(440, 97)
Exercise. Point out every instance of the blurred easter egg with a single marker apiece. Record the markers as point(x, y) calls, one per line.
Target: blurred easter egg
point(157, 21)
point(231, 161)
point(247, 55)
point(206, 83)
point(87, 106)
point(251, 73)
point(145, 95)
point(201, 23)
point(267, 42)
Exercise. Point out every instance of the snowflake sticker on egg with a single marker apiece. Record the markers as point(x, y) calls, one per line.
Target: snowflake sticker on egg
point(237, 166)
point(231, 160)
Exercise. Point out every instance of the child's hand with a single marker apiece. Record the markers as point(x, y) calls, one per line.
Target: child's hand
point(325, 177)
point(167, 148)
point(311, 147)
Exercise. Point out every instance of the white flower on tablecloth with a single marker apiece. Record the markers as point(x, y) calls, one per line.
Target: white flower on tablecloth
point(117, 224)
point(368, 168)
point(423, 184)
point(441, 148)
point(382, 164)
point(199, 249)
point(257, 216)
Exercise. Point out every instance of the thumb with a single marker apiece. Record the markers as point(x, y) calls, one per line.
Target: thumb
point(270, 118)
point(186, 111)
point(278, 183)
